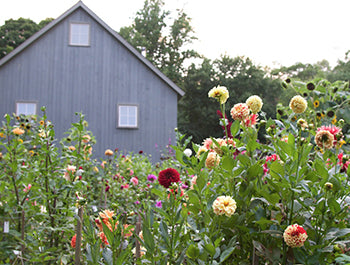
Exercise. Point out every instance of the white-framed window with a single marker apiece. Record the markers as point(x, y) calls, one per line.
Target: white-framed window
point(127, 116)
point(25, 108)
point(79, 34)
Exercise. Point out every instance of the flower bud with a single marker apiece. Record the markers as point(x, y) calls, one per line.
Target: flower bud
point(328, 186)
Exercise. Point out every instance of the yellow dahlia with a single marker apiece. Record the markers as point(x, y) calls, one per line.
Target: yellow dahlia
point(254, 103)
point(224, 205)
point(298, 104)
point(295, 236)
point(220, 93)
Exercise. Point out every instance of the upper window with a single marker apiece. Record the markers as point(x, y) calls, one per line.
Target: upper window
point(79, 34)
point(25, 108)
point(127, 116)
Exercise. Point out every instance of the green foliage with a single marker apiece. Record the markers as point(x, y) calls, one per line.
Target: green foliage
point(163, 43)
point(15, 32)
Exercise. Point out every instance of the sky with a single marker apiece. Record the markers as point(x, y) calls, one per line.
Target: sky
point(270, 32)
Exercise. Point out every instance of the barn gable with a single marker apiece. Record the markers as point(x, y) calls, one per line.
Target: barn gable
point(129, 103)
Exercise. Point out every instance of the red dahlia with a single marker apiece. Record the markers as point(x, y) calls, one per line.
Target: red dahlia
point(168, 176)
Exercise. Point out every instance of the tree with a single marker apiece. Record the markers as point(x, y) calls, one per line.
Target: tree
point(164, 45)
point(302, 71)
point(15, 32)
point(197, 113)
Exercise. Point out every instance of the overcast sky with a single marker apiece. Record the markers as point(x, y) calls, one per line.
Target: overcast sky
point(270, 32)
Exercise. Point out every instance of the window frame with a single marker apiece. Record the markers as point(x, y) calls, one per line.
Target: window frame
point(71, 34)
point(127, 126)
point(35, 103)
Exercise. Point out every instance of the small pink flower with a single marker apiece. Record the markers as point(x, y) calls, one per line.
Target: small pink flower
point(135, 181)
point(131, 172)
point(27, 188)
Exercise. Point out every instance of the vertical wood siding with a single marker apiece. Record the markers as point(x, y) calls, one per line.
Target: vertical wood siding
point(92, 80)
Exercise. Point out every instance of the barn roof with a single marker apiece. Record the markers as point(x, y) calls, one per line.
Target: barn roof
point(127, 45)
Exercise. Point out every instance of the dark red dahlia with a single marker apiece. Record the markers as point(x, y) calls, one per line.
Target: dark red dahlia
point(168, 176)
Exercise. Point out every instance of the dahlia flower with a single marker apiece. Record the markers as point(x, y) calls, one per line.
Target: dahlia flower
point(295, 236)
point(298, 104)
point(334, 130)
point(254, 103)
point(168, 176)
point(213, 159)
point(240, 111)
point(220, 93)
point(18, 131)
point(108, 152)
point(324, 139)
point(224, 205)
point(73, 241)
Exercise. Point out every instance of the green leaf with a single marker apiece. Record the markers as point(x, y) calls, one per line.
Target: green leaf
point(333, 205)
point(228, 163)
point(148, 239)
point(210, 249)
point(276, 170)
point(192, 252)
point(244, 160)
point(226, 254)
point(235, 127)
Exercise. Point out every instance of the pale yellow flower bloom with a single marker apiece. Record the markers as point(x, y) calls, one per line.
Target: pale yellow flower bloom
point(240, 111)
point(224, 205)
point(220, 93)
point(298, 104)
point(254, 103)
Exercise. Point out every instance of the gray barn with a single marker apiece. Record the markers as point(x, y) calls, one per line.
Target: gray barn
point(77, 63)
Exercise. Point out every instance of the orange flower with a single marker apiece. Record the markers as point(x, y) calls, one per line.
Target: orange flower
point(18, 131)
point(108, 152)
point(213, 159)
point(72, 148)
point(103, 238)
point(73, 241)
point(86, 138)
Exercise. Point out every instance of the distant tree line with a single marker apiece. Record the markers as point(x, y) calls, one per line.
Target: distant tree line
point(164, 38)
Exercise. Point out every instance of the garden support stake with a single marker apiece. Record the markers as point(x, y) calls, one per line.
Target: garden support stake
point(78, 238)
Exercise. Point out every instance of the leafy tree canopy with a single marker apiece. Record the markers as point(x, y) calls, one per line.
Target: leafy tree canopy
point(15, 32)
point(164, 43)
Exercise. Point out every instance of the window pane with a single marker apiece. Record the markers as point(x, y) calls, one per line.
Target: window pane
point(25, 108)
point(79, 34)
point(127, 116)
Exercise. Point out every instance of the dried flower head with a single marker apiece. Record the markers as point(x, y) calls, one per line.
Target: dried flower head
point(220, 93)
point(298, 104)
point(224, 205)
point(295, 236)
point(254, 103)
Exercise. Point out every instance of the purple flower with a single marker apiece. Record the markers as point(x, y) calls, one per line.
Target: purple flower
point(137, 202)
point(151, 178)
point(184, 186)
point(159, 204)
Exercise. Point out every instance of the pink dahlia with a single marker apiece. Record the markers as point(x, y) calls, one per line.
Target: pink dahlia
point(168, 176)
point(240, 112)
